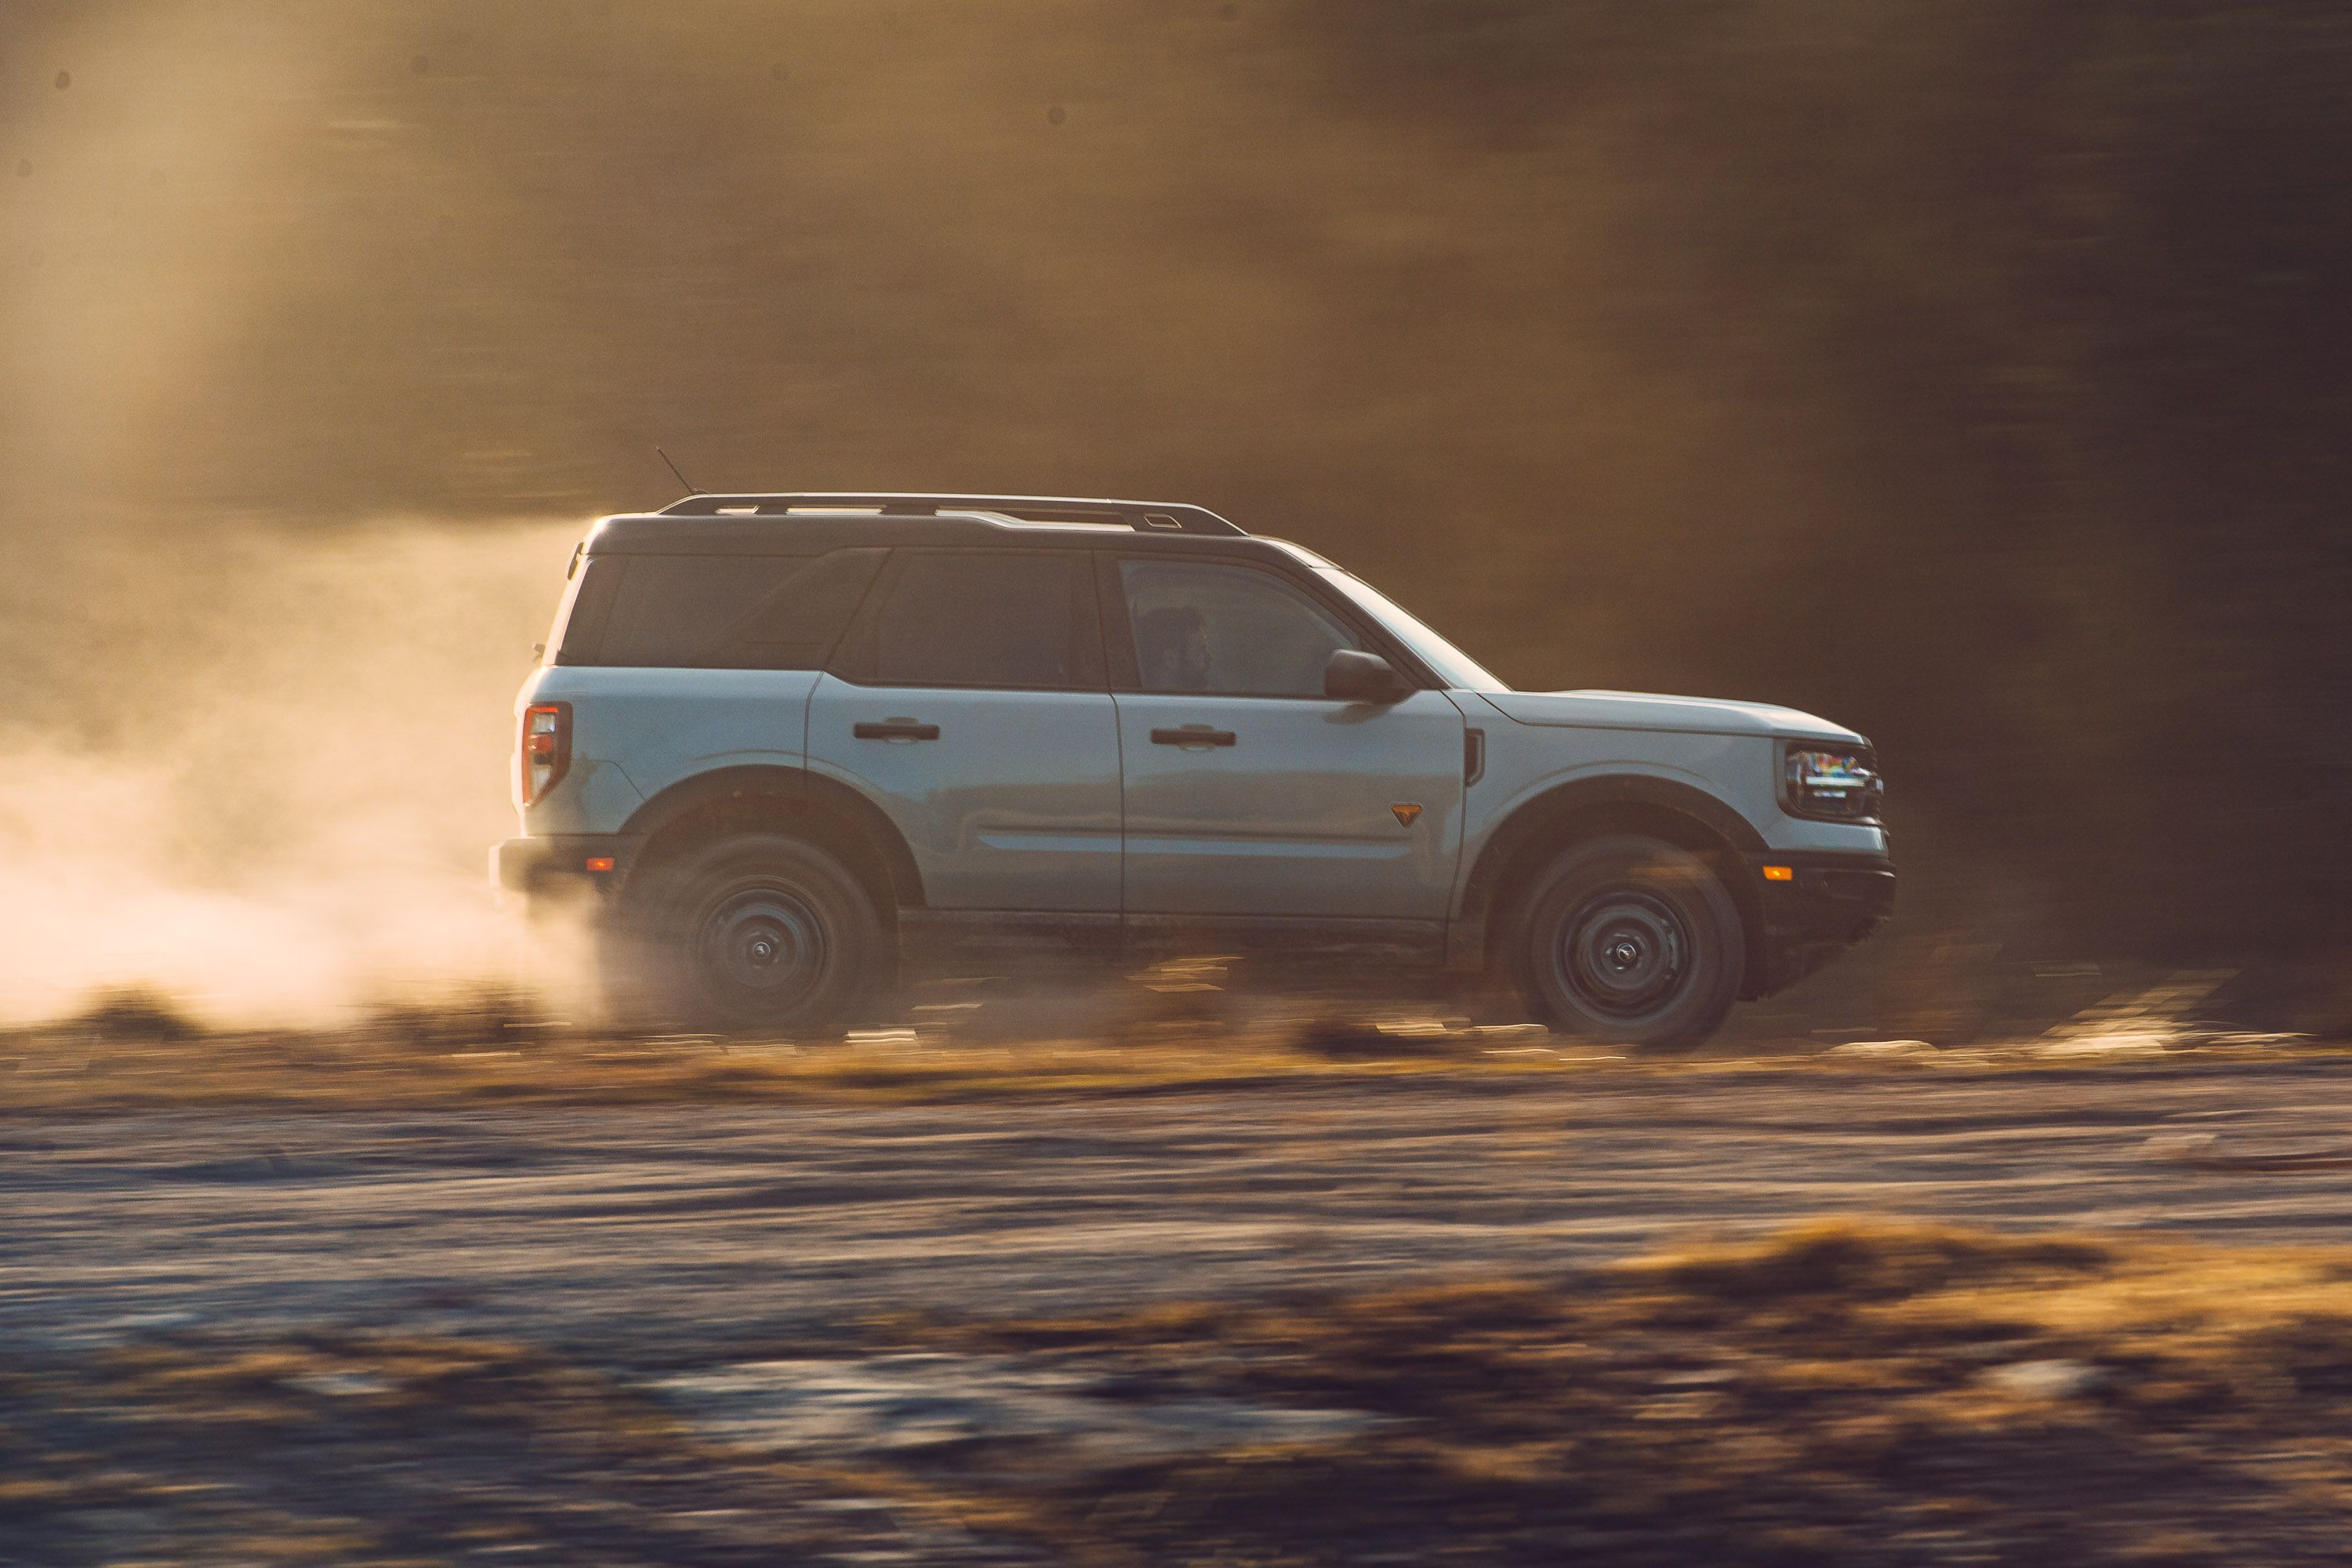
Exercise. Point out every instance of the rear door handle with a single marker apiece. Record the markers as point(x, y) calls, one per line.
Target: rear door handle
point(896, 730)
point(1192, 735)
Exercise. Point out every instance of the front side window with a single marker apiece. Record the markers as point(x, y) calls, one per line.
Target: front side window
point(988, 617)
point(1227, 630)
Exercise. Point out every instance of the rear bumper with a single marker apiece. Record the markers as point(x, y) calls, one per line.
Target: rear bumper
point(1827, 903)
point(563, 865)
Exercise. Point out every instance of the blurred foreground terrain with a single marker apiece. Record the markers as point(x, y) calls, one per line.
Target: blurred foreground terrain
point(1279, 1292)
point(1974, 375)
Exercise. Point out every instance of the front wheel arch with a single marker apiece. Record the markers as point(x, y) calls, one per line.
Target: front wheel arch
point(1538, 832)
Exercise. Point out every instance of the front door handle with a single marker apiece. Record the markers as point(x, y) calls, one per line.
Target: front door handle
point(896, 730)
point(1192, 735)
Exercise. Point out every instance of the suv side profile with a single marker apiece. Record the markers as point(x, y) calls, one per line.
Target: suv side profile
point(792, 747)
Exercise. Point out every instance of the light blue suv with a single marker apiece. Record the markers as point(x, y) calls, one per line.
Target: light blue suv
point(794, 747)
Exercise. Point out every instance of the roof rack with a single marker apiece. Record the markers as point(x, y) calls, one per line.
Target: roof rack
point(1145, 517)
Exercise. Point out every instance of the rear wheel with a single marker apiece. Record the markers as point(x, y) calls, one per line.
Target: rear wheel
point(1630, 939)
point(758, 933)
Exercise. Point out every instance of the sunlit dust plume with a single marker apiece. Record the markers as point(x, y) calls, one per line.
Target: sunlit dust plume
point(264, 769)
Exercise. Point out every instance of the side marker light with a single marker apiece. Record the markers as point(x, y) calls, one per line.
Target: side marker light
point(1772, 873)
point(600, 862)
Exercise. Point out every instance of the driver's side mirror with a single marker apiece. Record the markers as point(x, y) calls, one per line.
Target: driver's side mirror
point(1353, 677)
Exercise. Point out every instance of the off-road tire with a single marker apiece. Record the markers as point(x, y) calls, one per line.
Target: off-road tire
point(1630, 940)
point(757, 934)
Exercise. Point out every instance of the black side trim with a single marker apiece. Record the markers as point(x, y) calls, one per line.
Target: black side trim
point(1830, 901)
point(534, 866)
point(928, 936)
point(1295, 936)
point(1821, 859)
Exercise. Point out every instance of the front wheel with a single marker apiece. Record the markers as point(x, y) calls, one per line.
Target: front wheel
point(1630, 939)
point(758, 932)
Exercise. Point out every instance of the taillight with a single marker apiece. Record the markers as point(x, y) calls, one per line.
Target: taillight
point(546, 749)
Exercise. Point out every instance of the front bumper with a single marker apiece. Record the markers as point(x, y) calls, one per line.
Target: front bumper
point(1828, 902)
point(563, 865)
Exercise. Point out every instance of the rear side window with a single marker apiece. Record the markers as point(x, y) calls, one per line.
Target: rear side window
point(1018, 619)
point(716, 612)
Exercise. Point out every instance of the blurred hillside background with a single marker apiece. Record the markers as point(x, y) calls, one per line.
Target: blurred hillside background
point(1979, 375)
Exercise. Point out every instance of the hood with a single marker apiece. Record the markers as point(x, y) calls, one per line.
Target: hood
point(1647, 711)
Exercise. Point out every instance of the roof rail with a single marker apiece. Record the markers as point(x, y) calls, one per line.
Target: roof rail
point(1148, 516)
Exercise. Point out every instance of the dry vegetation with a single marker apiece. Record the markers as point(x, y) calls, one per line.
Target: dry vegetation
point(133, 1050)
point(1842, 1393)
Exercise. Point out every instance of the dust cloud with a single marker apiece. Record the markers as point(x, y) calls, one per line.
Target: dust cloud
point(259, 771)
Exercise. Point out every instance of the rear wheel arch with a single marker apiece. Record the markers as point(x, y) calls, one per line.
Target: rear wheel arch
point(1535, 835)
point(694, 812)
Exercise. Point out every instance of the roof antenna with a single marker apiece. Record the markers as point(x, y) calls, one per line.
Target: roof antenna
point(692, 487)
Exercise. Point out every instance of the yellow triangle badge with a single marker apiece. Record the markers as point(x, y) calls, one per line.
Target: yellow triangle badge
point(1405, 812)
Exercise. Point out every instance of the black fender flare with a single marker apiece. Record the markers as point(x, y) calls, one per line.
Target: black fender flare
point(1512, 841)
point(781, 787)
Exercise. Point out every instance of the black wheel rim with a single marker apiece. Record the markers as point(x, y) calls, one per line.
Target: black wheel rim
point(762, 946)
point(1625, 954)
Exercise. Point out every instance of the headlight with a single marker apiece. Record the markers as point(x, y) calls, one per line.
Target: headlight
point(1838, 787)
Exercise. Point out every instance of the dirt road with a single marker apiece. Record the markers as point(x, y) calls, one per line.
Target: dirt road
point(645, 1234)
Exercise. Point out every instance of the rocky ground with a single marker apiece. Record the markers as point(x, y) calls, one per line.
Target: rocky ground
point(1358, 1297)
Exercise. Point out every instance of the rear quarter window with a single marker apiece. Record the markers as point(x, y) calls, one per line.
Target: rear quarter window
point(716, 612)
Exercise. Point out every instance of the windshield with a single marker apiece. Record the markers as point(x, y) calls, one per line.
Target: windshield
point(1453, 666)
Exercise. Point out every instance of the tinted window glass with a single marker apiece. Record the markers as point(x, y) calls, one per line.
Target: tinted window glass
point(744, 611)
point(989, 618)
point(1230, 630)
point(795, 623)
